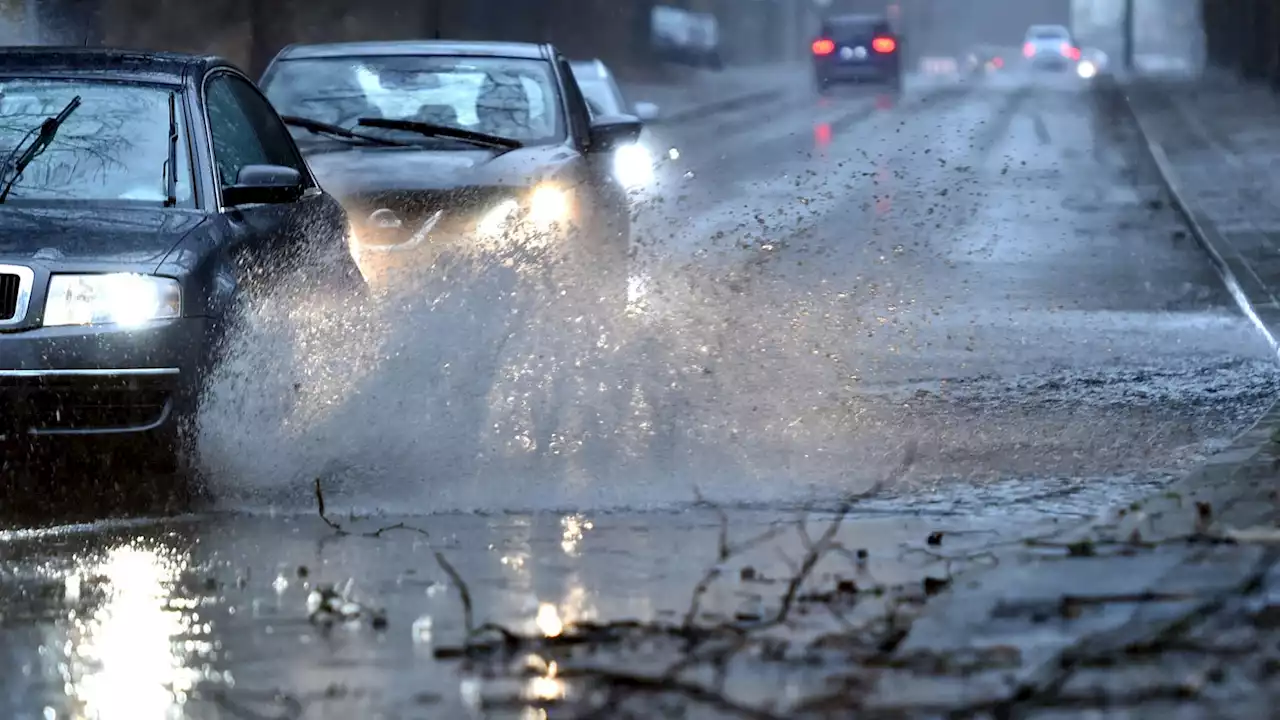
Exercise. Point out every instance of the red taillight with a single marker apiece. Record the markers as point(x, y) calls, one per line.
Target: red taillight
point(823, 46)
point(884, 44)
point(1074, 53)
point(1029, 49)
point(998, 62)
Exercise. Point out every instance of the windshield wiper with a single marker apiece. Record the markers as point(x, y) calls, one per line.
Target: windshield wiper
point(171, 164)
point(443, 131)
point(324, 128)
point(47, 130)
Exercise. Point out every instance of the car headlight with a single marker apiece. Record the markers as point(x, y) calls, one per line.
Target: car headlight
point(633, 166)
point(495, 223)
point(113, 298)
point(549, 204)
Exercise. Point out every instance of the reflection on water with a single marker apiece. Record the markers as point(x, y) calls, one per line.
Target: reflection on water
point(821, 136)
point(573, 526)
point(548, 620)
point(126, 659)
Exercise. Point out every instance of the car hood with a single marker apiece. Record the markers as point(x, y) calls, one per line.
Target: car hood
point(374, 170)
point(93, 236)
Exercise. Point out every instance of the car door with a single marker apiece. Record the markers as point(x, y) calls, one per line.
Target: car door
point(268, 240)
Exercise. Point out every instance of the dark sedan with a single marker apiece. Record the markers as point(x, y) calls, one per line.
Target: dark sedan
point(441, 144)
point(142, 195)
point(857, 49)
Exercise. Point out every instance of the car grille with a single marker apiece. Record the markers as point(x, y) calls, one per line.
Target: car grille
point(462, 208)
point(10, 286)
point(54, 404)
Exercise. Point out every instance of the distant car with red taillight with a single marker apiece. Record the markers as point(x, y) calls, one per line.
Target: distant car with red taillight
point(1050, 47)
point(985, 59)
point(857, 49)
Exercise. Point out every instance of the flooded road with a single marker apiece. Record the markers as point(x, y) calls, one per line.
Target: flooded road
point(972, 299)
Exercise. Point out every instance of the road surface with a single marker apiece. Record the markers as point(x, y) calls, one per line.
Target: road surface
point(971, 299)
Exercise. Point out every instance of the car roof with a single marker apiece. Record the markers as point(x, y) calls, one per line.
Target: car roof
point(139, 65)
point(521, 50)
point(1057, 29)
point(856, 19)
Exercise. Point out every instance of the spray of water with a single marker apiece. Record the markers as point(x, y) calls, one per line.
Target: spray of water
point(493, 380)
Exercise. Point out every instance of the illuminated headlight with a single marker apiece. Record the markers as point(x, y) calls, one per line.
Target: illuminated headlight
point(115, 298)
point(633, 166)
point(1086, 69)
point(499, 220)
point(548, 205)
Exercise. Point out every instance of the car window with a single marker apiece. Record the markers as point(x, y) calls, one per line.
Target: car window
point(854, 28)
point(510, 97)
point(245, 129)
point(1049, 33)
point(601, 97)
point(113, 148)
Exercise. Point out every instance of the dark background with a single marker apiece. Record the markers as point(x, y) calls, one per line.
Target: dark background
point(251, 31)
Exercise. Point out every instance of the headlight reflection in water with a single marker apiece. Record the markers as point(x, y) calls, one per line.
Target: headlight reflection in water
point(129, 658)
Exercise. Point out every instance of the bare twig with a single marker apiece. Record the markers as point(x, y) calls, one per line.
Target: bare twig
point(339, 530)
point(320, 510)
point(292, 709)
point(725, 551)
point(468, 617)
point(1047, 686)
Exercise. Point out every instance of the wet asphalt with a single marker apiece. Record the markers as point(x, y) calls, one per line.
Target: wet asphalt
point(972, 298)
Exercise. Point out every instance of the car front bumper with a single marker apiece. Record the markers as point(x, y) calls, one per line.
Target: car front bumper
point(100, 380)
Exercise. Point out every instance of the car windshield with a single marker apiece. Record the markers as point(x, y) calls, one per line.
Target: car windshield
point(508, 97)
point(113, 148)
point(602, 97)
point(855, 27)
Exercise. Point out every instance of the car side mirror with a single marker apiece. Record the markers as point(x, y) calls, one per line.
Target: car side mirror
point(265, 184)
point(647, 111)
point(612, 131)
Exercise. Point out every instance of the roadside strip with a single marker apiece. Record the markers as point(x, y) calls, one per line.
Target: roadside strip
point(1099, 613)
point(1246, 288)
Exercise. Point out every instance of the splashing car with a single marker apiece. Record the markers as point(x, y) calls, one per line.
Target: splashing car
point(143, 195)
point(442, 145)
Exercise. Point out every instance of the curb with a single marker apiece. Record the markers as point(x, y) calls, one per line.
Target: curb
point(1083, 597)
point(1205, 234)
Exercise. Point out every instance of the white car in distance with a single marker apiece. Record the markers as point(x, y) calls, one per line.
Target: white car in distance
point(1050, 47)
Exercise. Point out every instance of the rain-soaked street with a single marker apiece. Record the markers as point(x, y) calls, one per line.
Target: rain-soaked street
point(972, 299)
